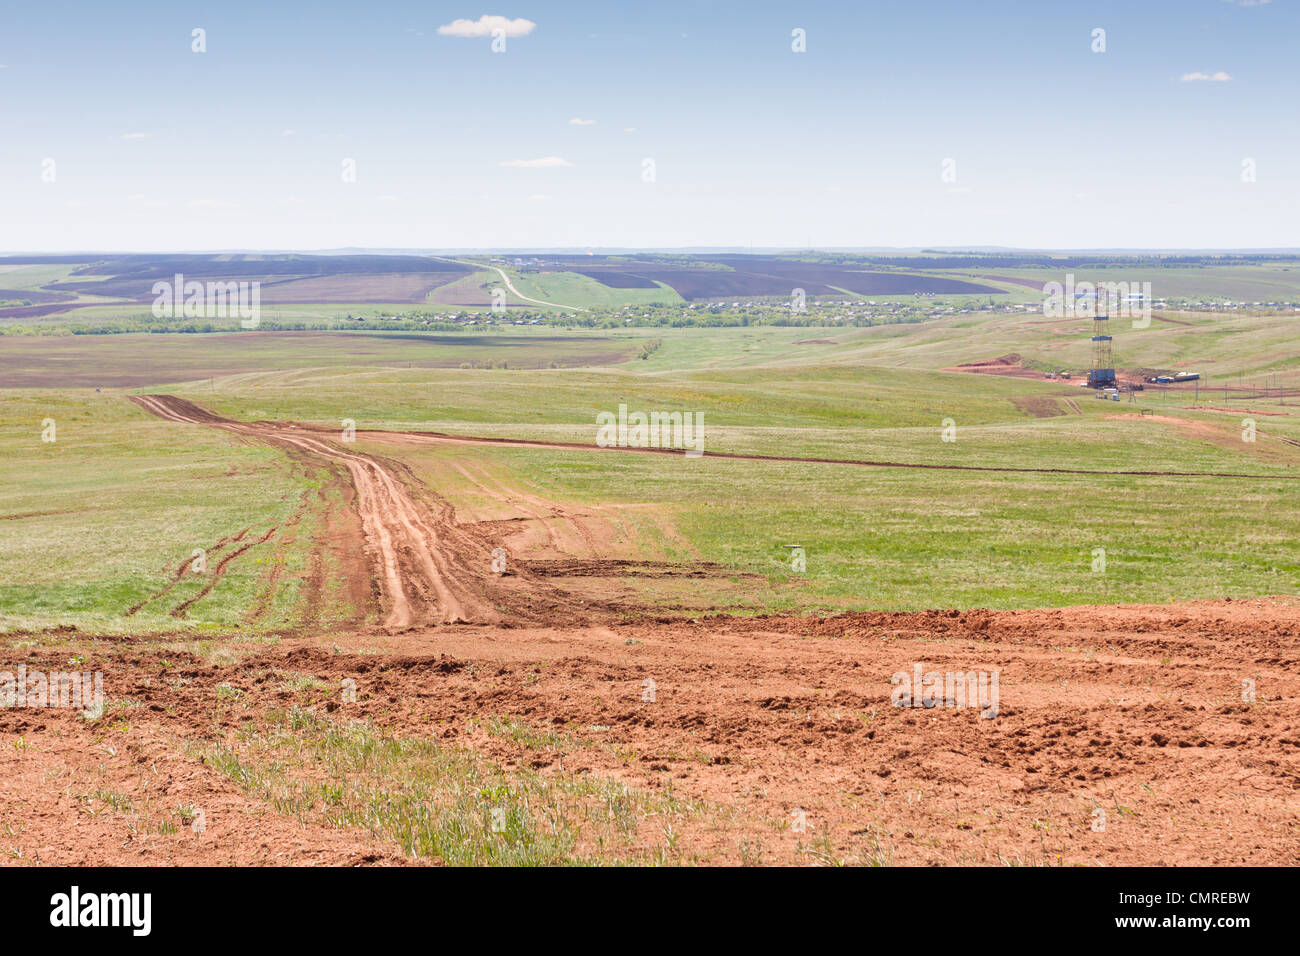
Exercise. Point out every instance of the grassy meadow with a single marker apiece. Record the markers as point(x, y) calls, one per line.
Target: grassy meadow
point(97, 522)
point(105, 515)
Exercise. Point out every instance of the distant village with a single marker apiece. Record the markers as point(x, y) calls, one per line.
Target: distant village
point(771, 311)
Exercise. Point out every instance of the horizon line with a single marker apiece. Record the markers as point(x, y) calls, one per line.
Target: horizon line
point(700, 250)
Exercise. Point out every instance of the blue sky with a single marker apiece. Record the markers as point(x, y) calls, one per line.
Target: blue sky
point(156, 147)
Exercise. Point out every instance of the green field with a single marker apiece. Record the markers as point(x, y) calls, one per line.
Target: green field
point(901, 539)
point(553, 291)
point(32, 276)
point(99, 519)
point(94, 523)
point(574, 289)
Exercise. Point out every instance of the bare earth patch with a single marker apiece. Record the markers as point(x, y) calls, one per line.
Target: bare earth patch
point(1131, 719)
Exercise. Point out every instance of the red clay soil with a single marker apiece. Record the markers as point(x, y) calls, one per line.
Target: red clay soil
point(54, 814)
point(1121, 734)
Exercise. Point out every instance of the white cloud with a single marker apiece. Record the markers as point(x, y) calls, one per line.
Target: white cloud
point(629, 129)
point(1198, 77)
point(577, 121)
point(211, 204)
point(1248, 3)
point(540, 196)
point(542, 162)
point(387, 197)
point(136, 135)
point(290, 132)
point(484, 25)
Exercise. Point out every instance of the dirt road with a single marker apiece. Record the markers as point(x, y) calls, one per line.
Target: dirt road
point(429, 569)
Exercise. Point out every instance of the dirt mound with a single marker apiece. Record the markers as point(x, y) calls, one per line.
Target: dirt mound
point(1009, 364)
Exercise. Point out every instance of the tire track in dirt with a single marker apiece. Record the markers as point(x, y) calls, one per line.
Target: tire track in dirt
point(403, 545)
point(547, 513)
point(180, 573)
point(504, 498)
point(271, 580)
point(428, 568)
point(337, 557)
point(591, 537)
point(180, 610)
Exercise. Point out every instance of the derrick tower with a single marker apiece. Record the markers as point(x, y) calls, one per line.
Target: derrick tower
point(1102, 373)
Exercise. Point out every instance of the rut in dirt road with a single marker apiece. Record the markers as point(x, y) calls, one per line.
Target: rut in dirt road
point(429, 569)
